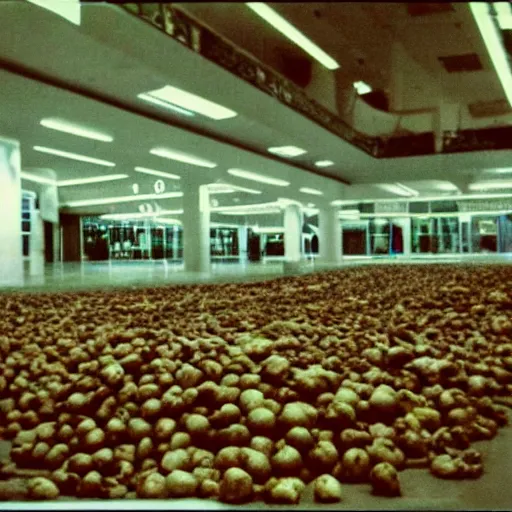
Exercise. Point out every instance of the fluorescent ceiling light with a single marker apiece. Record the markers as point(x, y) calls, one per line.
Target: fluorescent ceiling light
point(249, 175)
point(74, 129)
point(172, 96)
point(504, 12)
point(349, 213)
point(94, 179)
point(121, 199)
point(248, 209)
point(312, 191)
point(503, 171)
point(165, 104)
point(287, 151)
point(37, 179)
point(289, 31)
point(324, 163)
point(362, 87)
point(178, 156)
point(161, 174)
point(490, 185)
point(492, 39)
point(74, 156)
point(220, 188)
point(399, 189)
point(139, 215)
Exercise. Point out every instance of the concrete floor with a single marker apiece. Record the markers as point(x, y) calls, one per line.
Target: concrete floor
point(118, 274)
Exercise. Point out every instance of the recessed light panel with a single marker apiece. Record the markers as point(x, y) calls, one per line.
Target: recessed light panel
point(324, 163)
point(362, 87)
point(74, 156)
point(121, 199)
point(287, 151)
point(172, 96)
point(74, 129)
point(179, 156)
point(249, 175)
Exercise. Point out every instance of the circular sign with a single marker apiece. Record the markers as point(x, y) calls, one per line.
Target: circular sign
point(159, 186)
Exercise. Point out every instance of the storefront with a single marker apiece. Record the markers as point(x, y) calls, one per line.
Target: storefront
point(427, 228)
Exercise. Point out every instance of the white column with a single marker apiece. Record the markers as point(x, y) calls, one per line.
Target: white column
point(36, 244)
point(175, 242)
point(329, 236)
point(242, 243)
point(196, 227)
point(292, 233)
point(11, 256)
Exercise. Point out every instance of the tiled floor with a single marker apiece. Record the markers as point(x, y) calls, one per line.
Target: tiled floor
point(89, 275)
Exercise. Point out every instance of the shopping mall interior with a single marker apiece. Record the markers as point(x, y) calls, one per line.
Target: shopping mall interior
point(255, 253)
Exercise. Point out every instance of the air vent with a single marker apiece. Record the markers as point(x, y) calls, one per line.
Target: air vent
point(427, 9)
point(489, 108)
point(461, 63)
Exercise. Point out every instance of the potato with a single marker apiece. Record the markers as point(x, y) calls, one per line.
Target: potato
point(300, 438)
point(203, 458)
point(327, 489)
point(384, 450)
point(429, 418)
point(340, 414)
point(355, 465)
point(285, 490)
point(323, 455)
point(77, 401)
point(138, 428)
point(209, 488)
point(144, 448)
point(235, 486)
point(56, 456)
point(352, 438)
point(91, 484)
point(151, 408)
point(46, 431)
point(67, 483)
point(287, 461)
point(113, 374)
point(103, 458)
point(227, 415)
point(188, 376)
point(249, 381)
point(80, 463)
point(153, 486)
point(40, 450)
point(298, 414)
point(42, 489)
point(346, 395)
point(261, 420)
point(384, 399)
point(234, 435)
point(443, 466)
point(125, 452)
point(181, 484)
point(263, 445)
point(384, 480)
point(94, 439)
point(251, 399)
point(197, 425)
point(256, 464)
point(176, 459)
point(180, 440)
point(164, 429)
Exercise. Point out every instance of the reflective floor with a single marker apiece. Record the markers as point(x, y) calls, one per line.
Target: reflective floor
point(118, 274)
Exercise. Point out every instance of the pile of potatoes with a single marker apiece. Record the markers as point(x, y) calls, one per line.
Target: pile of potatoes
point(253, 391)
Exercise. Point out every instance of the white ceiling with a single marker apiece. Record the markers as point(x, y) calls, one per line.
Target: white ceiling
point(116, 56)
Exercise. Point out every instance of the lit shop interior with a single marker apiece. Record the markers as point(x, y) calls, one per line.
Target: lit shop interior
point(255, 255)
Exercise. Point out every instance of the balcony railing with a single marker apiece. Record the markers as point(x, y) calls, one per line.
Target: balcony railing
point(216, 49)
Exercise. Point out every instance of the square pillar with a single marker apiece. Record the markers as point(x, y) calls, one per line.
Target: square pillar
point(11, 254)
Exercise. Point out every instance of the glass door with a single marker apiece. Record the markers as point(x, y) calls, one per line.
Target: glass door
point(355, 239)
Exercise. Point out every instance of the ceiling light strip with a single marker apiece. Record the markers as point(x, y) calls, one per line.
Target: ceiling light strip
point(192, 102)
point(313, 191)
point(74, 156)
point(490, 34)
point(178, 156)
point(165, 104)
point(249, 175)
point(74, 129)
point(120, 199)
point(289, 31)
point(154, 172)
point(138, 215)
point(94, 179)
